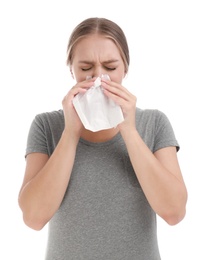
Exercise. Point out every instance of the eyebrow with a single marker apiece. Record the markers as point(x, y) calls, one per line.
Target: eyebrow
point(105, 62)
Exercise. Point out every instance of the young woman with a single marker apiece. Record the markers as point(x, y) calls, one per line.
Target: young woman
point(100, 191)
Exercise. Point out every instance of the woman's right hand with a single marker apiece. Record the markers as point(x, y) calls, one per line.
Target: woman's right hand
point(73, 123)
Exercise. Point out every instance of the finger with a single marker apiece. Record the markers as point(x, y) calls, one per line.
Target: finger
point(110, 85)
point(117, 90)
point(80, 87)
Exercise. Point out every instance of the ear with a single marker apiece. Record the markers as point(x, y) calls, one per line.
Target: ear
point(72, 74)
point(125, 71)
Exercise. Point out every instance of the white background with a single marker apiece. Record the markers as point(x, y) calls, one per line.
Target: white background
point(170, 70)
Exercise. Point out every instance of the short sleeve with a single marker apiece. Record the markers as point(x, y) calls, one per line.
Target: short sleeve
point(164, 133)
point(36, 141)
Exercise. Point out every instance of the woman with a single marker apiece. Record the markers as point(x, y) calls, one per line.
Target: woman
point(100, 191)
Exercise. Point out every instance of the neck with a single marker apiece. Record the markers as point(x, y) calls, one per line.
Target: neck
point(99, 136)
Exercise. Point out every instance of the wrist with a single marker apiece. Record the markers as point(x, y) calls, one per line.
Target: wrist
point(128, 131)
point(70, 136)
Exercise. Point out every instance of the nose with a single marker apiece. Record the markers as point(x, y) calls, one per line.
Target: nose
point(98, 71)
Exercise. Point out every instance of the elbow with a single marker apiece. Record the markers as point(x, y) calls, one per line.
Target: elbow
point(31, 217)
point(32, 220)
point(33, 223)
point(174, 217)
point(176, 213)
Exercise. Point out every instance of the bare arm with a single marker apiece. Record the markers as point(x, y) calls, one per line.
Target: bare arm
point(45, 182)
point(159, 174)
point(46, 179)
point(160, 178)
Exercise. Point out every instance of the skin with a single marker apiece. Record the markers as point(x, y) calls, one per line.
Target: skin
point(46, 179)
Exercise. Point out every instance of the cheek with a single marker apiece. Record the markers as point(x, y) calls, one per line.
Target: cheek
point(80, 78)
point(78, 75)
point(117, 77)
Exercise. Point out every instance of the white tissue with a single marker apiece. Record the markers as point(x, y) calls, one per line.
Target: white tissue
point(97, 111)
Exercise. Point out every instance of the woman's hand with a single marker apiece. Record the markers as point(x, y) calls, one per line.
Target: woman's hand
point(127, 101)
point(72, 120)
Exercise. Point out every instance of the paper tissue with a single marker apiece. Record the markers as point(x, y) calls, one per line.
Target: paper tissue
point(97, 111)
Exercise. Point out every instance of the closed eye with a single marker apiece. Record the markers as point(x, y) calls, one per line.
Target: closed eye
point(110, 68)
point(86, 69)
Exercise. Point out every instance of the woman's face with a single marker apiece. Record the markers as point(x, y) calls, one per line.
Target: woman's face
point(95, 55)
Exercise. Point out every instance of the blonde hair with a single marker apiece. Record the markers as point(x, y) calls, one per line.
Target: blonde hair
point(100, 26)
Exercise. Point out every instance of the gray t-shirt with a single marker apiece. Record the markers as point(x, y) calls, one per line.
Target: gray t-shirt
point(104, 214)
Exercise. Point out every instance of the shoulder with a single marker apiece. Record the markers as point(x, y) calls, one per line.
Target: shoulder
point(155, 128)
point(48, 121)
point(45, 131)
point(52, 117)
point(152, 115)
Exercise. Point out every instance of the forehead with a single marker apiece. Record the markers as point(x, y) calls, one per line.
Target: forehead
point(94, 46)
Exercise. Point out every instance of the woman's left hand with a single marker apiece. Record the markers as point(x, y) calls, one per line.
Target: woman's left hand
point(122, 97)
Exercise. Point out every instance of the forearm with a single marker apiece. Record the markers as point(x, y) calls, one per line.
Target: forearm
point(42, 195)
point(164, 191)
